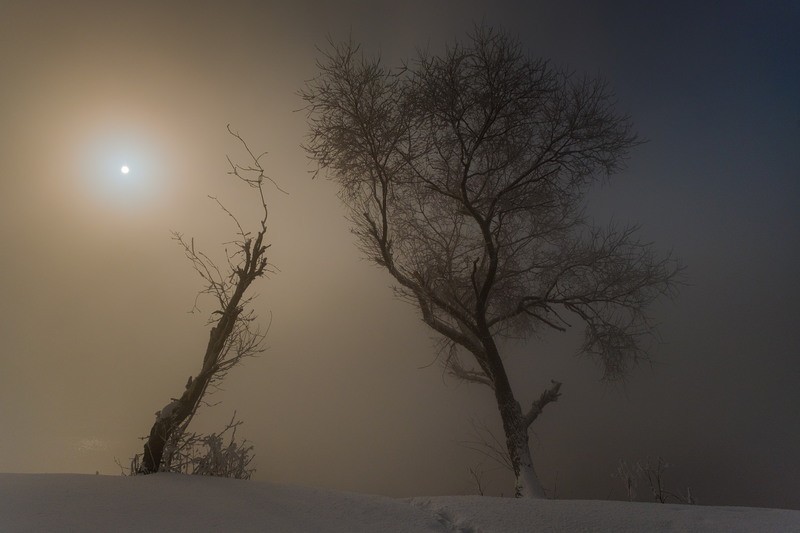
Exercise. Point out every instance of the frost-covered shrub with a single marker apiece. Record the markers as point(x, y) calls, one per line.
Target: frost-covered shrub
point(210, 455)
point(217, 454)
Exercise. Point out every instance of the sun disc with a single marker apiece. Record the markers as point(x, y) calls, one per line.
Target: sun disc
point(125, 169)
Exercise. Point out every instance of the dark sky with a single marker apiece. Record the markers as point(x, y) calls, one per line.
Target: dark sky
point(95, 333)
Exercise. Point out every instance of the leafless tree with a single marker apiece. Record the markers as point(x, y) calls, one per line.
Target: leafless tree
point(465, 175)
point(477, 477)
point(235, 334)
point(653, 474)
point(628, 477)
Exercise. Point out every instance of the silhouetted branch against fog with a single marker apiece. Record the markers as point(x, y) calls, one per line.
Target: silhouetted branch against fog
point(235, 333)
point(465, 177)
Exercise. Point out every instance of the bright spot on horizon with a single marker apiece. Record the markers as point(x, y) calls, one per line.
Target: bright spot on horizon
point(125, 169)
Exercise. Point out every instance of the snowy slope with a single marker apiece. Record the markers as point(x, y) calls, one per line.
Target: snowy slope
point(168, 502)
point(506, 515)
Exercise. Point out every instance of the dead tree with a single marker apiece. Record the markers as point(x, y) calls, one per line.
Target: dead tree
point(235, 334)
point(465, 176)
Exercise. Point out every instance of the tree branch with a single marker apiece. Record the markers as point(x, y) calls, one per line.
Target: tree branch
point(549, 395)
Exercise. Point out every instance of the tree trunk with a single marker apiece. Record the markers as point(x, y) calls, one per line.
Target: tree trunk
point(154, 448)
point(175, 413)
point(169, 419)
point(527, 483)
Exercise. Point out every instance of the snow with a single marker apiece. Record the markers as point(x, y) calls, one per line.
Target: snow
point(172, 502)
point(167, 411)
point(507, 515)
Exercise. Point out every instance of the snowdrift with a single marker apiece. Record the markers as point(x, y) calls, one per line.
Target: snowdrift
point(169, 502)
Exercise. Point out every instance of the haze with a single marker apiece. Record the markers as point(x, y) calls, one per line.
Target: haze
point(93, 317)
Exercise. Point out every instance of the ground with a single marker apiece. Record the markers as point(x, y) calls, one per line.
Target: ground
point(172, 502)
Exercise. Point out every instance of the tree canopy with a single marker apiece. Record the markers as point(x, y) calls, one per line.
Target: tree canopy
point(465, 175)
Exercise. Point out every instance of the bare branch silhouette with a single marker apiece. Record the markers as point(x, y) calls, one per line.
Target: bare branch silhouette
point(235, 333)
point(465, 176)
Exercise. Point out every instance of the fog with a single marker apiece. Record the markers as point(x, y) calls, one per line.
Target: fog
point(96, 334)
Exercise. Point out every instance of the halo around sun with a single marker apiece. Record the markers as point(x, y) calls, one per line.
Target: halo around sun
point(121, 170)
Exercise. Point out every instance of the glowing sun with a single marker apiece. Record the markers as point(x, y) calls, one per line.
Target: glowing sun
point(124, 169)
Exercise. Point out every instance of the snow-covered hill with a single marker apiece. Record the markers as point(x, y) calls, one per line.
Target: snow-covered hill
point(168, 502)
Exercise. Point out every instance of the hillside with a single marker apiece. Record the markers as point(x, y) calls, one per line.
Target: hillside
point(169, 502)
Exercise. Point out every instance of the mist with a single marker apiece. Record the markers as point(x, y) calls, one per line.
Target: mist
point(349, 395)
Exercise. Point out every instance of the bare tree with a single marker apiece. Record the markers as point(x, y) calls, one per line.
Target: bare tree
point(465, 176)
point(653, 474)
point(628, 477)
point(477, 477)
point(235, 334)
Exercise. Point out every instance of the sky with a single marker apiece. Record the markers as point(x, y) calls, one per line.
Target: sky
point(96, 334)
